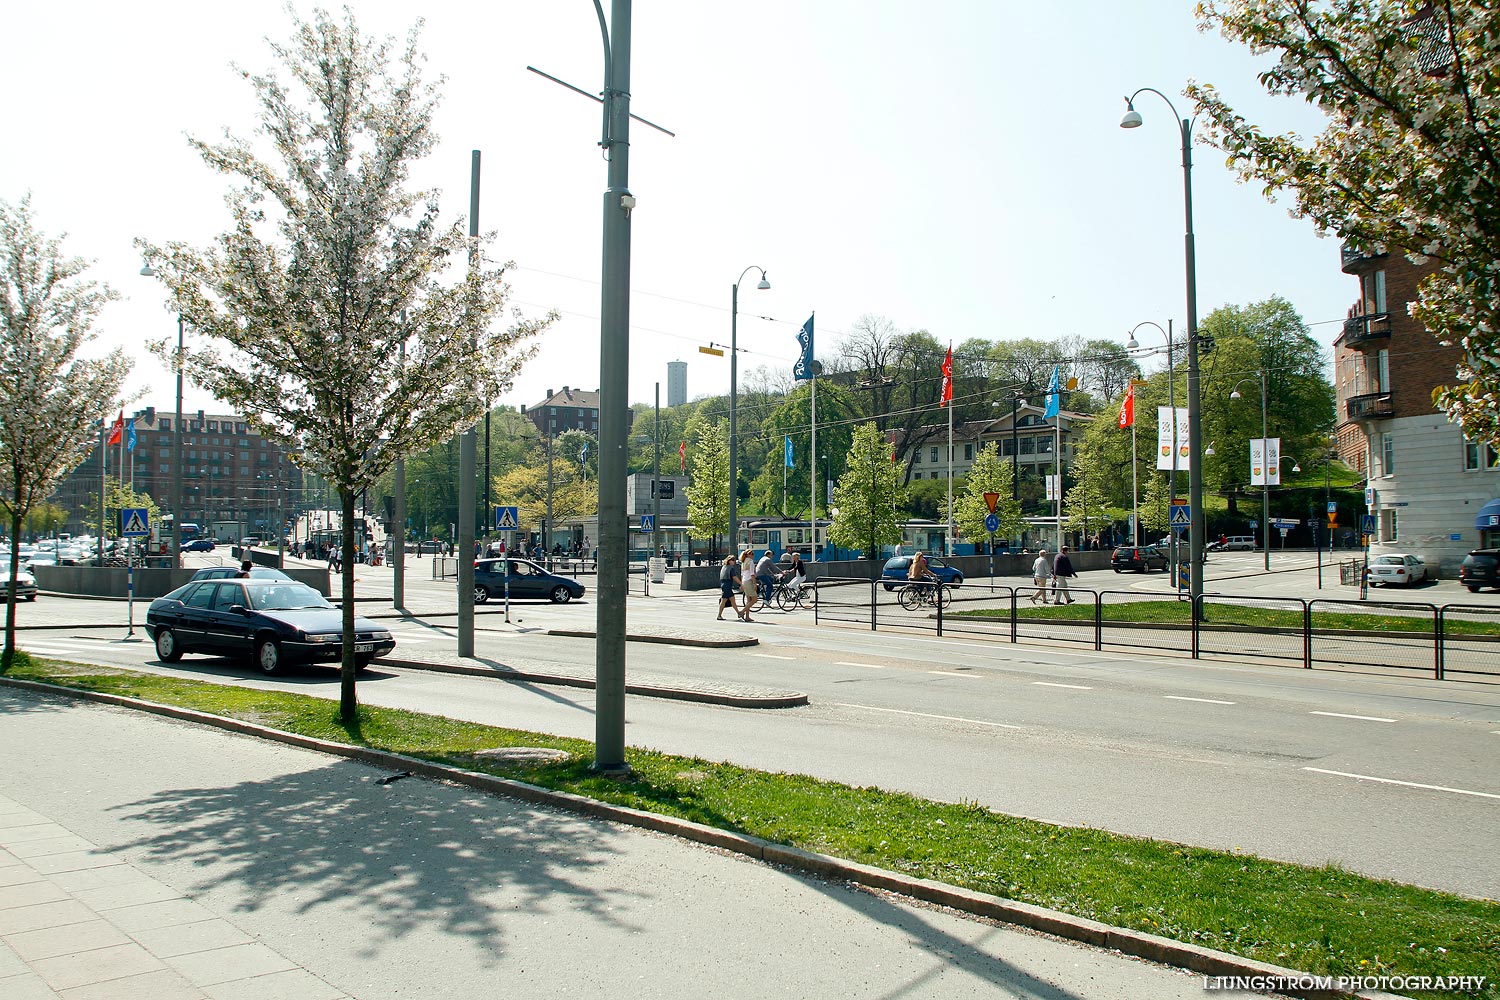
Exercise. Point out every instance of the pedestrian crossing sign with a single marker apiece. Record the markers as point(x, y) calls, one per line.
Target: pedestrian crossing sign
point(648, 522)
point(135, 522)
point(1182, 517)
point(507, 518)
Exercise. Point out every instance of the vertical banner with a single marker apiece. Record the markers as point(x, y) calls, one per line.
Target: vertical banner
point(1171, 437)
point(802, 369)
point(1265, 461)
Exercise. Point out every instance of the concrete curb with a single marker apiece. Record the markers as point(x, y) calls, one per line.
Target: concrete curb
point(791, 699)
point(716, 642)
point(1129, 942)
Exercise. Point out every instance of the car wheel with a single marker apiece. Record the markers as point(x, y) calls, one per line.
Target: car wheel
point(481, 595)
point(888, 587)
point(1472, 590)
point(166, 646)
point(1117, 569)
point(958, 581)
point(31, 597)
point(268, 655)
point(561, 594)
point(361, 662)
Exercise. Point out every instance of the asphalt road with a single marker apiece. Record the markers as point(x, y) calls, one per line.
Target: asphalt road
point(1389, 774)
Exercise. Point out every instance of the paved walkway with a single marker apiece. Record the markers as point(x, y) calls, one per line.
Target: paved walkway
point(141, 857)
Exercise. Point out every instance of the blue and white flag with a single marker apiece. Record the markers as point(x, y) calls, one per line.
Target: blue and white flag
point(1054, 397)
point(130, 434)
point(788, 454)
point(803, 369)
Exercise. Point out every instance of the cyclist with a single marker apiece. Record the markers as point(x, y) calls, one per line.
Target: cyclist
point(919, 571)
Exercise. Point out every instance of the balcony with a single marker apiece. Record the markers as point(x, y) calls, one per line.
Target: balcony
point(1370, 406)
point(1354, 261)
point(1362, 330)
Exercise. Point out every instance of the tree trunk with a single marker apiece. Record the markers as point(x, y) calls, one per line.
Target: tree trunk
point(9, 653)
point(348, 701)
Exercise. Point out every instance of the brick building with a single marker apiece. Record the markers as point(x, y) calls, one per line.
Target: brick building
point(234, 482)
point(1429, 481)
point(568, 410)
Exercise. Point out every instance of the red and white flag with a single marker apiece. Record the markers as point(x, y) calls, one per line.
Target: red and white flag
point(682, 454)
point(948, 377)
point(117, 430)
point(1127, 408)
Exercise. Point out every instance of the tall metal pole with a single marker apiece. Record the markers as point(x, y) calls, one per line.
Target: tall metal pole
point(547, 528)
point(1195, 406)
point(656, 484)
point(467, 460)
point(1265, 479)
point(103, 484)
point(950, 472)
point(812, 466)
point(176, 541)
point(734, 419)
point(614, 368)
point(398, 510)
point(1172, 473)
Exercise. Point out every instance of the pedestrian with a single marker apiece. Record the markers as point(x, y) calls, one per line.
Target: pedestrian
point(1041, 572)
point(245, 568)
point(765, 576)
point(747, 578)
point(729, 585)
point(796, 574)
point(1062, 568)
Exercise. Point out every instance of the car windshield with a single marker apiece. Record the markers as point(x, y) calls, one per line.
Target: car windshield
point(286, 597)
point(1390, 561)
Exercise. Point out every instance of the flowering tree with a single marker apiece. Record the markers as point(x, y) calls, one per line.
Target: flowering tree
point(868, 495)
point(324, 308)
point(708, 493)
point(51, 400)
point(1409, 161)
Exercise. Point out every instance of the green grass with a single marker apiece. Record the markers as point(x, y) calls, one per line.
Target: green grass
point(1173, 612)
point(1320, 920)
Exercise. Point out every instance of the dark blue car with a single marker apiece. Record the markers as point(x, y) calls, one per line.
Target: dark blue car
point(896, 569)
point(526, 580)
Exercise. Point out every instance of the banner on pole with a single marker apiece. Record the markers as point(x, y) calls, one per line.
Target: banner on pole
point(1171, 438)
point(1265, 461)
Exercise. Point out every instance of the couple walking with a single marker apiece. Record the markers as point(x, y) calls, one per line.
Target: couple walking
point(745, 576)
point(1056, 571)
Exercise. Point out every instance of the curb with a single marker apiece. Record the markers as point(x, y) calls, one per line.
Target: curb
point(792, 699)
point(726, 642)
point(1137, 944)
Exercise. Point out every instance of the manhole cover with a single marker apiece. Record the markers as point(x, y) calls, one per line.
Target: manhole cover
point(525, 755)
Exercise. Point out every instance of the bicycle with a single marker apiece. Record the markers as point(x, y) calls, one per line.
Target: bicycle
point(789, 599)
point(917, 595)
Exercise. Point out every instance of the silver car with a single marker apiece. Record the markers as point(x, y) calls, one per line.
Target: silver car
point(25, 583)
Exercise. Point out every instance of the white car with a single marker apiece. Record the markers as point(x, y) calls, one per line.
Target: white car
point(1397, 568)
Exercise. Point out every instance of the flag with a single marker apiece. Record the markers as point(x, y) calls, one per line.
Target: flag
point(1054, 397)
point(682, 454)
point(890, 437)
point(116, 430)
point(1127, 408)
point(803, 369)
point(788, 453)
point(948, 377)
point(130, 434)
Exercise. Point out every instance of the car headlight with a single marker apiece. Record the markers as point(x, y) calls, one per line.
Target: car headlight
point(324, 636)
point(380, 635)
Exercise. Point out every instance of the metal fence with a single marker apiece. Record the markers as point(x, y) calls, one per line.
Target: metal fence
point(1340, 634)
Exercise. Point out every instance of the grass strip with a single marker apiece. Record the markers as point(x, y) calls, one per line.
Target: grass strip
point(1319, 920)
point(1173, 612)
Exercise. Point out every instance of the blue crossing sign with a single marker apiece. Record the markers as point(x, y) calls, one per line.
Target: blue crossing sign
point(992, 523)
point(1367, 524)
point(507, 518)
point(648, 523)
point(1182, 517)
point(135, 522)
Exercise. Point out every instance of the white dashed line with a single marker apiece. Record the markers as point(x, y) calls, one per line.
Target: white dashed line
point(772, 656)
point(1206, 701)
point(926, 715)
point(1075, 687)
point(1361, 718)
point(952, 673)
point(847, 663)
point(1408, 784)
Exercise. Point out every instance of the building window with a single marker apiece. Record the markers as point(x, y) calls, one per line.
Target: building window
point(934, 456)
point(1389, 526)
point(916, 475)
point(916, 458)
point(165, 423)
point(1387, 455)
point(164, 468)
point(1479, 456)
point(1044, 446)
point(213, 425)
point(1007, 446)
point(1028, 446)
point(968, 453)
point(1374, 285)
point(1383, 371)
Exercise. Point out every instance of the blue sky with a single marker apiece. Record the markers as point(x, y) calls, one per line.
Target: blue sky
point(954, 166)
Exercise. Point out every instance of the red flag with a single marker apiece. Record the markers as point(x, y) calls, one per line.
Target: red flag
point(117, 430)
point(682, 454)
point(890, 439)
point(948, 377)
point(1127, 408)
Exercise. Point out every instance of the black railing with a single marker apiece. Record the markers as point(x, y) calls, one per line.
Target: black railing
point(1351, 259)
point(1364, 329)
point(1369, 405)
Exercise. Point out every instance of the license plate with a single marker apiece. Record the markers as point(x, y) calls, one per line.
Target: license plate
point(364, 647)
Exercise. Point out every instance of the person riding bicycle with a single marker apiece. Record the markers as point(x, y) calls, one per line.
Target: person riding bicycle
point(919, 570)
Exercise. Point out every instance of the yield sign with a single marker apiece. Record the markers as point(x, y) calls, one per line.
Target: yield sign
point(990, 500)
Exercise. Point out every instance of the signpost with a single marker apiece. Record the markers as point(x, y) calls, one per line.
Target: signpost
point(135, 522)
point(507, 519)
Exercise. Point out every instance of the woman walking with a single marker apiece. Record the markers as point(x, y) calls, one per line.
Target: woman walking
point(729, 585)
point(747, 581)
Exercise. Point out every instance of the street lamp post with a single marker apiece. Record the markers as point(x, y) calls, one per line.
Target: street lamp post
point(734, 427)
point(175, 544)
point(1265, 477)
point(1132, 119)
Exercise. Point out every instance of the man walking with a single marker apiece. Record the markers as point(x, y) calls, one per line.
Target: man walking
point(1062, 568)
point(1041, 571)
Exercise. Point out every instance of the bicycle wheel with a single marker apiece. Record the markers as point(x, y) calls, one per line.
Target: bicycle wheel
point(785, 599)
point(943, 595)
point(910, 597)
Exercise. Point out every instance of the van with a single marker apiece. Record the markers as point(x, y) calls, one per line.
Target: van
point(1237, 543)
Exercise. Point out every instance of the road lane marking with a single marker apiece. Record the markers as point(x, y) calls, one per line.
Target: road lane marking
point(1408, 784)
point(1075, 687)
point(1361, 718)
point(847, 663)
point(951, 673)
point(1206, 701)
point(928, 715)
point(772, 656)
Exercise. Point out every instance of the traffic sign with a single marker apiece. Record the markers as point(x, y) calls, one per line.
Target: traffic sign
point(990, 499)
point(1369, 496)
point(135, 522)
point(1254, 525)
point(992, 523)
point(1367, 524)
point(1333, 506)
point(1284, 523)
point(1182, 517)
point(507, 518)
point(648, 522)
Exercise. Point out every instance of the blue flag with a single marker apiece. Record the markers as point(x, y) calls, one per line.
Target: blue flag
point(789, 463)
point(1054, 397)
point(130, 434)
point(803, 369)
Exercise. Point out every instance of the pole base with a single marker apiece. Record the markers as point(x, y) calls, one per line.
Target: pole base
point(616, 772)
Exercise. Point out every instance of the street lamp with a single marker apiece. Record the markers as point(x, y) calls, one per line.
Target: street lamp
point(1132, 119)
point(1265, 478)
point(734, 436)
point(175, 546)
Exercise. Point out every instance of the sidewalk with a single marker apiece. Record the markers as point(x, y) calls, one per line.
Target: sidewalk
point(188, 862)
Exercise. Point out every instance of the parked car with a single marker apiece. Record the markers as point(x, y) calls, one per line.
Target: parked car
point(1480, 568)
point(1397, 568)
point(199, 545)
point(25, 583)
point(226, 572)
point(1141, 558)
point(526, 579)
point(896, 568)
point(272, 622)
point(1233, 543)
